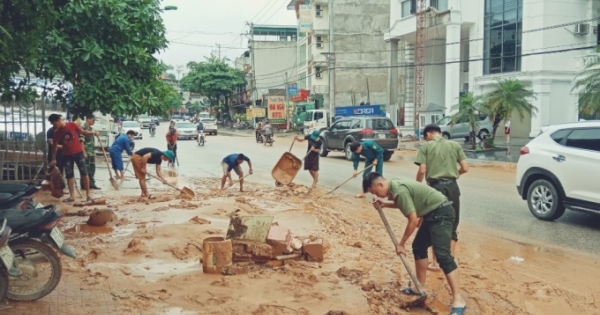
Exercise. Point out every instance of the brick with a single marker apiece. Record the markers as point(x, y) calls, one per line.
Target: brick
point(280, 238)
point(313, 248)
point(274, 263)
point(262, 250)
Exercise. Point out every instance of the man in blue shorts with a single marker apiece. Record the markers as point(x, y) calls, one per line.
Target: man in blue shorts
point(122, 143)
point(232, 162)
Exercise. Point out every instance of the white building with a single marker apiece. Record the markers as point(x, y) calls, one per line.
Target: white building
point(497, 39)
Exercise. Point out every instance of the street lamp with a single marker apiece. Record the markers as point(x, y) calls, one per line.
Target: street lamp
point(170, 8)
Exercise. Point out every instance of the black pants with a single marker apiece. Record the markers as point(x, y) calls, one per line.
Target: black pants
point(69, 163)
point(451, 190)
point(173, 148)
point(436, 231)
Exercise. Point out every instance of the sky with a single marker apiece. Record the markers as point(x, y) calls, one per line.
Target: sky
point(196, 27)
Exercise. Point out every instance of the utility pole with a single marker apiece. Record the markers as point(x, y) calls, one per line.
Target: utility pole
point(331, 60)
point(219, 48)
point(255, 91)
point(287, 97)
point(419, 58)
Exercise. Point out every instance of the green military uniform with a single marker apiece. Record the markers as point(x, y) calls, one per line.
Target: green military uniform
point(438, 219)
point(90, 162)
point(441, 157)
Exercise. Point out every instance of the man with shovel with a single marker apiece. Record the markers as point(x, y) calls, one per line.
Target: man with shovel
point(373, 154)
point(437, 160)
point(141, 158)
point(232, 162)
point(88, 153)
point(420, 203)
point(122, 143)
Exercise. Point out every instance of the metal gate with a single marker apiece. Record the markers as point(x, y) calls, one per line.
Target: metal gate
point(23, 147)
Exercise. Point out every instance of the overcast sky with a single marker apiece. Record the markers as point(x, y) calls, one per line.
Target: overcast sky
point(197, 26)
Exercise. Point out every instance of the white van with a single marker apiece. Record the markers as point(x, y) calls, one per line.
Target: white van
point(316, 119)
point(107, 129)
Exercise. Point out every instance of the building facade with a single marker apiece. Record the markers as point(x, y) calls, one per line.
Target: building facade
point(470, 45)
point(347, 39)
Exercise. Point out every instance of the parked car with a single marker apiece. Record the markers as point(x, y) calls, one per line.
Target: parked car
point(176, 118)
point(346, 130)
point(144, 121)
point(210, 126)
point(462, 129)
point(185, 130)
point(132, 125)
point(558, 170)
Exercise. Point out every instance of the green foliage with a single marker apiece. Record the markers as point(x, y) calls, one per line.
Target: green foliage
point(241, 117)
point(467, 111)
point(105, 48)
point(213, 78)
point(172, 76)
point(587, 83)
point(508, 97)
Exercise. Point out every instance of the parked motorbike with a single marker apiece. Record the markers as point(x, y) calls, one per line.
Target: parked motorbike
point(201, 138)
point(34, 233)
point(6, 259)
point(17, 195)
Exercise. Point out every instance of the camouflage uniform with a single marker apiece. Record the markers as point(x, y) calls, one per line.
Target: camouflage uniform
point(90, 161)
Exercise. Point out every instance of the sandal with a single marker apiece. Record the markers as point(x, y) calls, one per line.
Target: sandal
point(68, 200)
point(432, 267)
point(458, 310)
point(88, 199)
point(151, 197)
point(409, 291)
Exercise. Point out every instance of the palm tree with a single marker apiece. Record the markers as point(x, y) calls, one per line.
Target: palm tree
point(467, 111)
point(588, 85)
point(508, 97)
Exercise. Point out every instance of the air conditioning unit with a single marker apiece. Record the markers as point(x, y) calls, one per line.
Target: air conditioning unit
point(582, 29)
point(318, 7)
point(318, 72)
point(319, 13)
point(319, 45)
point(319, 39)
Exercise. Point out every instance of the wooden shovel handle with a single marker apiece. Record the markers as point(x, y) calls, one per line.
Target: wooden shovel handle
point(164, 182)
point(236, 181)
point(105, 156)
point(349, 179)
point(411, 273)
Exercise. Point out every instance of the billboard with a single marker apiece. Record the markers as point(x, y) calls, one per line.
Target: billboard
point(251, 113)
point(365, 110)
point(276, 109)
point(305, 20)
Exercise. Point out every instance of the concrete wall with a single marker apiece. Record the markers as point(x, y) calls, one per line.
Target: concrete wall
point(271, 60)
point(356, 25)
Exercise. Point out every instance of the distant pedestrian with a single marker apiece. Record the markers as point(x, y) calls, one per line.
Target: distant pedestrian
point(141, 158)
point(311, 162)
point(439, 160)
point(122, 143)
point(373, 154)
point(172, 141)
point(89, 154)
point(68, 133)
point(507, 130)
point(232, 162)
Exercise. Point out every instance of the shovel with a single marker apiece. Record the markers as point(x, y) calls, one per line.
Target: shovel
point(413, 277)
point(184, 190)
point(342, 184)
point(113, 182)
point(236, 181)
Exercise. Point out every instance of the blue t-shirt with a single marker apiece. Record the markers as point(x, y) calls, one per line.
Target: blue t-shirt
point(200, 127)
point(231, 161)
point(122, 143)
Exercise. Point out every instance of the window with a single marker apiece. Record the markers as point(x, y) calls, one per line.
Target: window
point(318, 115)
point(405, 8)
point(355, 124)
point(558, 136)
point(379, 124)
point(444, 121)
point(440, 5)
point(587, 139)
point(502, 36)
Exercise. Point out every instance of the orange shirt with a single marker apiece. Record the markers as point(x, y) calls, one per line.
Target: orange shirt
point(172, 138)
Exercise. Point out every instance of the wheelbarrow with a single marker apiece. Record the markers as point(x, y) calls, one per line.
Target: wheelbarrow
point(286, 168)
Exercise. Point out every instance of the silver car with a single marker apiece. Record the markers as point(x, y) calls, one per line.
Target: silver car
point(210, 126)
point(462, 130)
point(186, 130)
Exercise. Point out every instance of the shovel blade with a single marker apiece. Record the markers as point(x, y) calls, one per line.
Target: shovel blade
point(113, 182)
point(188, 192)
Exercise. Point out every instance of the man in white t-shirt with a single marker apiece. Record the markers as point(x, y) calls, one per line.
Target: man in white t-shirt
point(507, 130)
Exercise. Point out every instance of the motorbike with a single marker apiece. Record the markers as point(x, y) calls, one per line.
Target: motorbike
point(34, 233)
point(17, 195)
point(268, 140)
point(6, 259)
point(201, 139)
point(258, 135)
point(152, 131)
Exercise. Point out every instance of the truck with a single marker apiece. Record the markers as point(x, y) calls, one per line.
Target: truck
point(321, 119)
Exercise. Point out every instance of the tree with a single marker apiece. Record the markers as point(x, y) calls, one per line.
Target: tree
point(468, 110)
point(105, 48)
point(587, 84)
point(172, 76)
point(213, 78)
point(508, 97)
point(23, 26)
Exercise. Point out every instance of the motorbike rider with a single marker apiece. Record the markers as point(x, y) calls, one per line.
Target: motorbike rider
point(258, 131)
point(152, 127)
point(267, 130)
point(200, 130)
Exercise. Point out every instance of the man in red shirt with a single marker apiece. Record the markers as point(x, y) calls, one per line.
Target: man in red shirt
point(68, 133)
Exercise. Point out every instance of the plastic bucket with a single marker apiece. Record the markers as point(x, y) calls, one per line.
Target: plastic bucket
point(217, 252)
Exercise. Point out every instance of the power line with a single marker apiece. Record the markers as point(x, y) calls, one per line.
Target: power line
point(266, 5)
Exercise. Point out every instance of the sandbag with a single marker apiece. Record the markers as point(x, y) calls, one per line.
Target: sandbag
point(57, 183)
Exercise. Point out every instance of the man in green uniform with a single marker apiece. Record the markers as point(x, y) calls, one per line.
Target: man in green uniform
point(88, 153)
point(421, 204)
point(373, 154)
point(438, 160)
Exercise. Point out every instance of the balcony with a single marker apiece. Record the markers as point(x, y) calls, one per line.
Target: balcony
point(589, 59)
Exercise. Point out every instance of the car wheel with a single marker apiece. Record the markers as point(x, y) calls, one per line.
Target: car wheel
point(446, 135)
point(348, 151)
point(483, 133)
point(215, 133)
point(544, 201)
point(387, 155)
point(324, 151)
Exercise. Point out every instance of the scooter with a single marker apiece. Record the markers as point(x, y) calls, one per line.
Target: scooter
point(152, 131)
point(34, 233)
point(268, 139)
point(17, 195)
point(201, 139)
point(6, 259)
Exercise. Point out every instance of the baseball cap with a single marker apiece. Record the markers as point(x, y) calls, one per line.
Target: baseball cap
point(169, 154)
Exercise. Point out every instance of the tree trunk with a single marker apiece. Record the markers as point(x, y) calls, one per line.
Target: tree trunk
point(472, 140)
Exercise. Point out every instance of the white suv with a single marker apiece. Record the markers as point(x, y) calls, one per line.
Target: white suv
point(560, 169)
